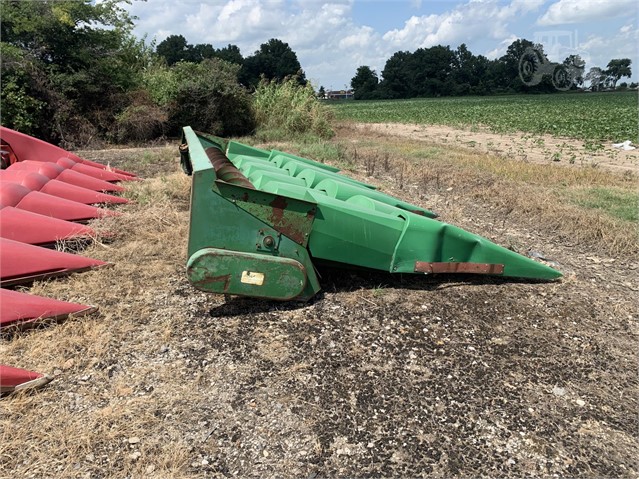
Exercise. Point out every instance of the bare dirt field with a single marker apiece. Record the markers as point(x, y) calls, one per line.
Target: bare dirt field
point(379, 376)
point(528, 148)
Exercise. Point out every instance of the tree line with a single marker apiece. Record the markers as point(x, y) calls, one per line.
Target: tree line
point(72, 72)
point(274, 60)
point(442, 71)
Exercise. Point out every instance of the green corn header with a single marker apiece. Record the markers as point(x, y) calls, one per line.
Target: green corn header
point(260, 220)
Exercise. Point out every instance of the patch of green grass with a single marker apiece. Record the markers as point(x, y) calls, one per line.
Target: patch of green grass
point(618, 203)
point(267, 135)
point(592, 117)
point(379, 291)
point(431, 152)
point(325, 151)
point(307, 145)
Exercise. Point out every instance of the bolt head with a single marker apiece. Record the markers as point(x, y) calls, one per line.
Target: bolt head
point(269, 241)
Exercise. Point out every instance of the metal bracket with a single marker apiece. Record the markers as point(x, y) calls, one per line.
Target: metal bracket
point(268, 240)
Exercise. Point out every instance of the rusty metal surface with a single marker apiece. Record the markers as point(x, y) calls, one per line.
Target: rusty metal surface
point(292, 218)
point(225, 170)
point(463, 268)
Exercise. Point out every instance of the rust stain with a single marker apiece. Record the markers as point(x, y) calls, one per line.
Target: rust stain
point(311, 214)
point(279, 204)
point(466, 268)
point(226, 278)
point(284, 225)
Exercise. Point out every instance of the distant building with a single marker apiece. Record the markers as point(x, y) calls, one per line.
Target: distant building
point(340, 95)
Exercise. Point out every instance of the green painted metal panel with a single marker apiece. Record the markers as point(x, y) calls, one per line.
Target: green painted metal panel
point(281, 157)
point(343, 191)
point(299, 211)
point(289, 216)
point(432, 241)
point(233, 149)
point(313, 176)
point(249, 166)
point(212, 140)
point(261, 178)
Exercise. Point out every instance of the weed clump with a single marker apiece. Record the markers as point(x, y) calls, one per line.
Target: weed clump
point(285, 109)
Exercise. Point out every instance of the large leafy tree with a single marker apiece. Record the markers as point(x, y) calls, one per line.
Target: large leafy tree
point(365, 83)
point(511, 80)
point(431, 70)
point(425, 72)
point(396, 82)
point(275, 60)
point(469, 72)
point(463, 66)
point(70, 63)
point(230, 53)
point(618, 68)
point(577, 68)
point(509, 72)
point(174, 48)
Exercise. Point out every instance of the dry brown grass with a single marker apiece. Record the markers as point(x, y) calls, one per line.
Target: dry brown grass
point(379, 376)
point(531, 192)
point(98, 361)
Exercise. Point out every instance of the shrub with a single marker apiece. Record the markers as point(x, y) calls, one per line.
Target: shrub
point(142, 120)
point(291, 109)
point(205, 96)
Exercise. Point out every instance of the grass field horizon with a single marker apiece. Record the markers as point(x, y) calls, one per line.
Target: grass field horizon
point(591, 117)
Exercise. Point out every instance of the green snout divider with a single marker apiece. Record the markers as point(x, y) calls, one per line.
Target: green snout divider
point(259, 241)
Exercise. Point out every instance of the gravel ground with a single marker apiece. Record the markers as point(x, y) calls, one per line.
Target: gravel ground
point(378, 376)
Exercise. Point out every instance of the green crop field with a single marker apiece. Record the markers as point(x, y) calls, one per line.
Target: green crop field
point(585, 116)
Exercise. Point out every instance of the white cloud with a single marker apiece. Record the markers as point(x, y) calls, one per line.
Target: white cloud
point(501, 48)
point(472, 20)
point(599, 50)
point(247, 21)
point(579, 11)
point(360, 39)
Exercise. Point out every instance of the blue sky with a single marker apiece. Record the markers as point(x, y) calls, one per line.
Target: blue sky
point(333, 38)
